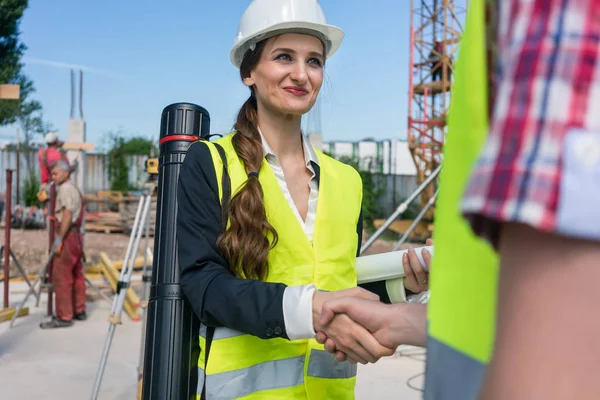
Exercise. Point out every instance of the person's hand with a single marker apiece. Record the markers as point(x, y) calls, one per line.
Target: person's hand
point(354, 341)
point(416, 278)
point(321, 297)
point(56, 246)
point(391, 325)
point(351, 338)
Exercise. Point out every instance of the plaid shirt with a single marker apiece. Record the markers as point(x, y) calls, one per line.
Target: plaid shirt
point(542, 154)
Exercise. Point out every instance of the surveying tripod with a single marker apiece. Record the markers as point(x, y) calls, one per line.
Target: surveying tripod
point(141, 219)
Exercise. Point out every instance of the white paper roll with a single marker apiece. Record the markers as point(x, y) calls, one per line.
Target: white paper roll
point(384, 266)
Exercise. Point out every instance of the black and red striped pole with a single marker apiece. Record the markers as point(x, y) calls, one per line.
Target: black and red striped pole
point(172, 329)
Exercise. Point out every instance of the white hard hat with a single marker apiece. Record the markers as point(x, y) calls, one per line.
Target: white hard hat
point(51, 137)
point(267, 18)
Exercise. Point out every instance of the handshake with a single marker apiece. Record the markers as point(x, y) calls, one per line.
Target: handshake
point(355, 326)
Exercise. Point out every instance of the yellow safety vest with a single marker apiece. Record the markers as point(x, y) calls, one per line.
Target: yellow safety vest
point(247, 367)
point(461, 311)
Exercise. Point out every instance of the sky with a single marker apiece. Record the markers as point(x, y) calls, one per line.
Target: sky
point(138, 56)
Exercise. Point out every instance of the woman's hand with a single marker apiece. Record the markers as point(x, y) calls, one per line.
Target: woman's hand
point(354, 341)
point(417, 279)
point(357, 343)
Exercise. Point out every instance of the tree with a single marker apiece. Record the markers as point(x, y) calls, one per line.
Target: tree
point(118, 149)
point(11, 52)
point(371, 192)
point(26, 112)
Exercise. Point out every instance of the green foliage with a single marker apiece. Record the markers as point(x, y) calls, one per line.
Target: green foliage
point(11, 52)
point(31, 185)
point(371, 192)
point(117, 165)
point(139, 145)
point(118, 149)
point(24, 111)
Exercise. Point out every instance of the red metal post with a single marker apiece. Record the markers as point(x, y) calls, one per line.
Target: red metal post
point(7, 227)
point(51, 237)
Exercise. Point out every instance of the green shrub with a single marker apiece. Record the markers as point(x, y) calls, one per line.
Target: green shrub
point(31, 186)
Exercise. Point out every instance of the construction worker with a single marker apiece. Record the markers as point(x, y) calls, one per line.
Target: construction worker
point(67, 275)
point(436, 58)
point(46, 158)
point(257, 270)
point(513, 310)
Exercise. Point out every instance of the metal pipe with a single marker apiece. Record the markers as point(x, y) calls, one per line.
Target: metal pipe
point(72, 94)
point(51, 237)
point(401, 208)
point(18, 168)
point(81, 94)
point(7, 228)
point(418, 219)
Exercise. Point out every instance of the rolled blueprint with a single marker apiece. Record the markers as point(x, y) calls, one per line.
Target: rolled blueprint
point(384, 266)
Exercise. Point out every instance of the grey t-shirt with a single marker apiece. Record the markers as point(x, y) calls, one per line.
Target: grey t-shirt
point(68, 198)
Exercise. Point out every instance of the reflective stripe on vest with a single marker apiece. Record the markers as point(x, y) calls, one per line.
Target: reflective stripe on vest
point(461, 311)
point(242, 365)
point(275, 374)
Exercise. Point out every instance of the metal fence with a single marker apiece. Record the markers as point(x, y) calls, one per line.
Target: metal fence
point(396, 189)
point(97, 176)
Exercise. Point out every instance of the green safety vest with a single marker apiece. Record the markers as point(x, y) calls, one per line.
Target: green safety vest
point(464, 276)
point(242, 366)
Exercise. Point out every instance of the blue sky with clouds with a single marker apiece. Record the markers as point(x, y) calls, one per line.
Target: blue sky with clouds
point(139, 56)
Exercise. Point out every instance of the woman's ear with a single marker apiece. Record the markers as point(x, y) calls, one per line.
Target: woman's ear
point(249, 80)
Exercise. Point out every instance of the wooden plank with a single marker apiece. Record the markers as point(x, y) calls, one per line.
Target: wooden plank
point(139, 262)
point(96, 227)
point(7, 313)
point(78, 146)
point(10, 92)
point(401, 226)
point(129, 309)
point(131, 295)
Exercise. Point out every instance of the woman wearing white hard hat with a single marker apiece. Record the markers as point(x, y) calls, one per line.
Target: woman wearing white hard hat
point(293, 226)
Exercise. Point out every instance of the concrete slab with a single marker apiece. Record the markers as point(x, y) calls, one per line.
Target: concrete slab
point(62, 363)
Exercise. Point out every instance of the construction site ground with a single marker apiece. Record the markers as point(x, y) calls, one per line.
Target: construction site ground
point(63, 363)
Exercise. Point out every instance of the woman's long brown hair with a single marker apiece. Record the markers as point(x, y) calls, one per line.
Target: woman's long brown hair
point(246, 244)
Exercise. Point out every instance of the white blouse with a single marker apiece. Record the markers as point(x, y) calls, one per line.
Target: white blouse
point(297, 300)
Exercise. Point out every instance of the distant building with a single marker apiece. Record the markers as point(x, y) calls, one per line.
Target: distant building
point(387, 156)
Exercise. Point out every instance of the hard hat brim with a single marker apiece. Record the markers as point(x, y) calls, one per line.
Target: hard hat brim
point(331, 35)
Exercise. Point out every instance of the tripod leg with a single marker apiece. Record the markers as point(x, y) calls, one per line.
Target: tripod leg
point(21, 270)
point(146, 278)
point(122, 286)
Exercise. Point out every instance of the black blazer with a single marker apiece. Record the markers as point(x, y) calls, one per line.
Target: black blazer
point(217, 297)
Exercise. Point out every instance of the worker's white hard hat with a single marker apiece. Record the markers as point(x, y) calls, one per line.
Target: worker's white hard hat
point(267, 18)
point(51, 137)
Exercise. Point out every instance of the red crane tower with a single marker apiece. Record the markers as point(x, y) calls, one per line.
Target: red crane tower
point(436, 27)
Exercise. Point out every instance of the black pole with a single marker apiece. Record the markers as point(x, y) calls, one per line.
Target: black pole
point(172, 330)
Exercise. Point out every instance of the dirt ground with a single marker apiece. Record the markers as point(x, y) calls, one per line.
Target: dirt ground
point(30, 247)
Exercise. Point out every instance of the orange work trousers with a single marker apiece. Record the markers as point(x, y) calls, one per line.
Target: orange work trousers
point(68, 279)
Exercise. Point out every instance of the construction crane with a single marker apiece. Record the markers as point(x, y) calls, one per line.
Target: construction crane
point(435, 30)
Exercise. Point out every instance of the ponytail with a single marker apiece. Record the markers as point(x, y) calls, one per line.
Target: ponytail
point(245, 244)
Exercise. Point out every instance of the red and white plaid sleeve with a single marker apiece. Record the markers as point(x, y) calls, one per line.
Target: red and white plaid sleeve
point(540, 164)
